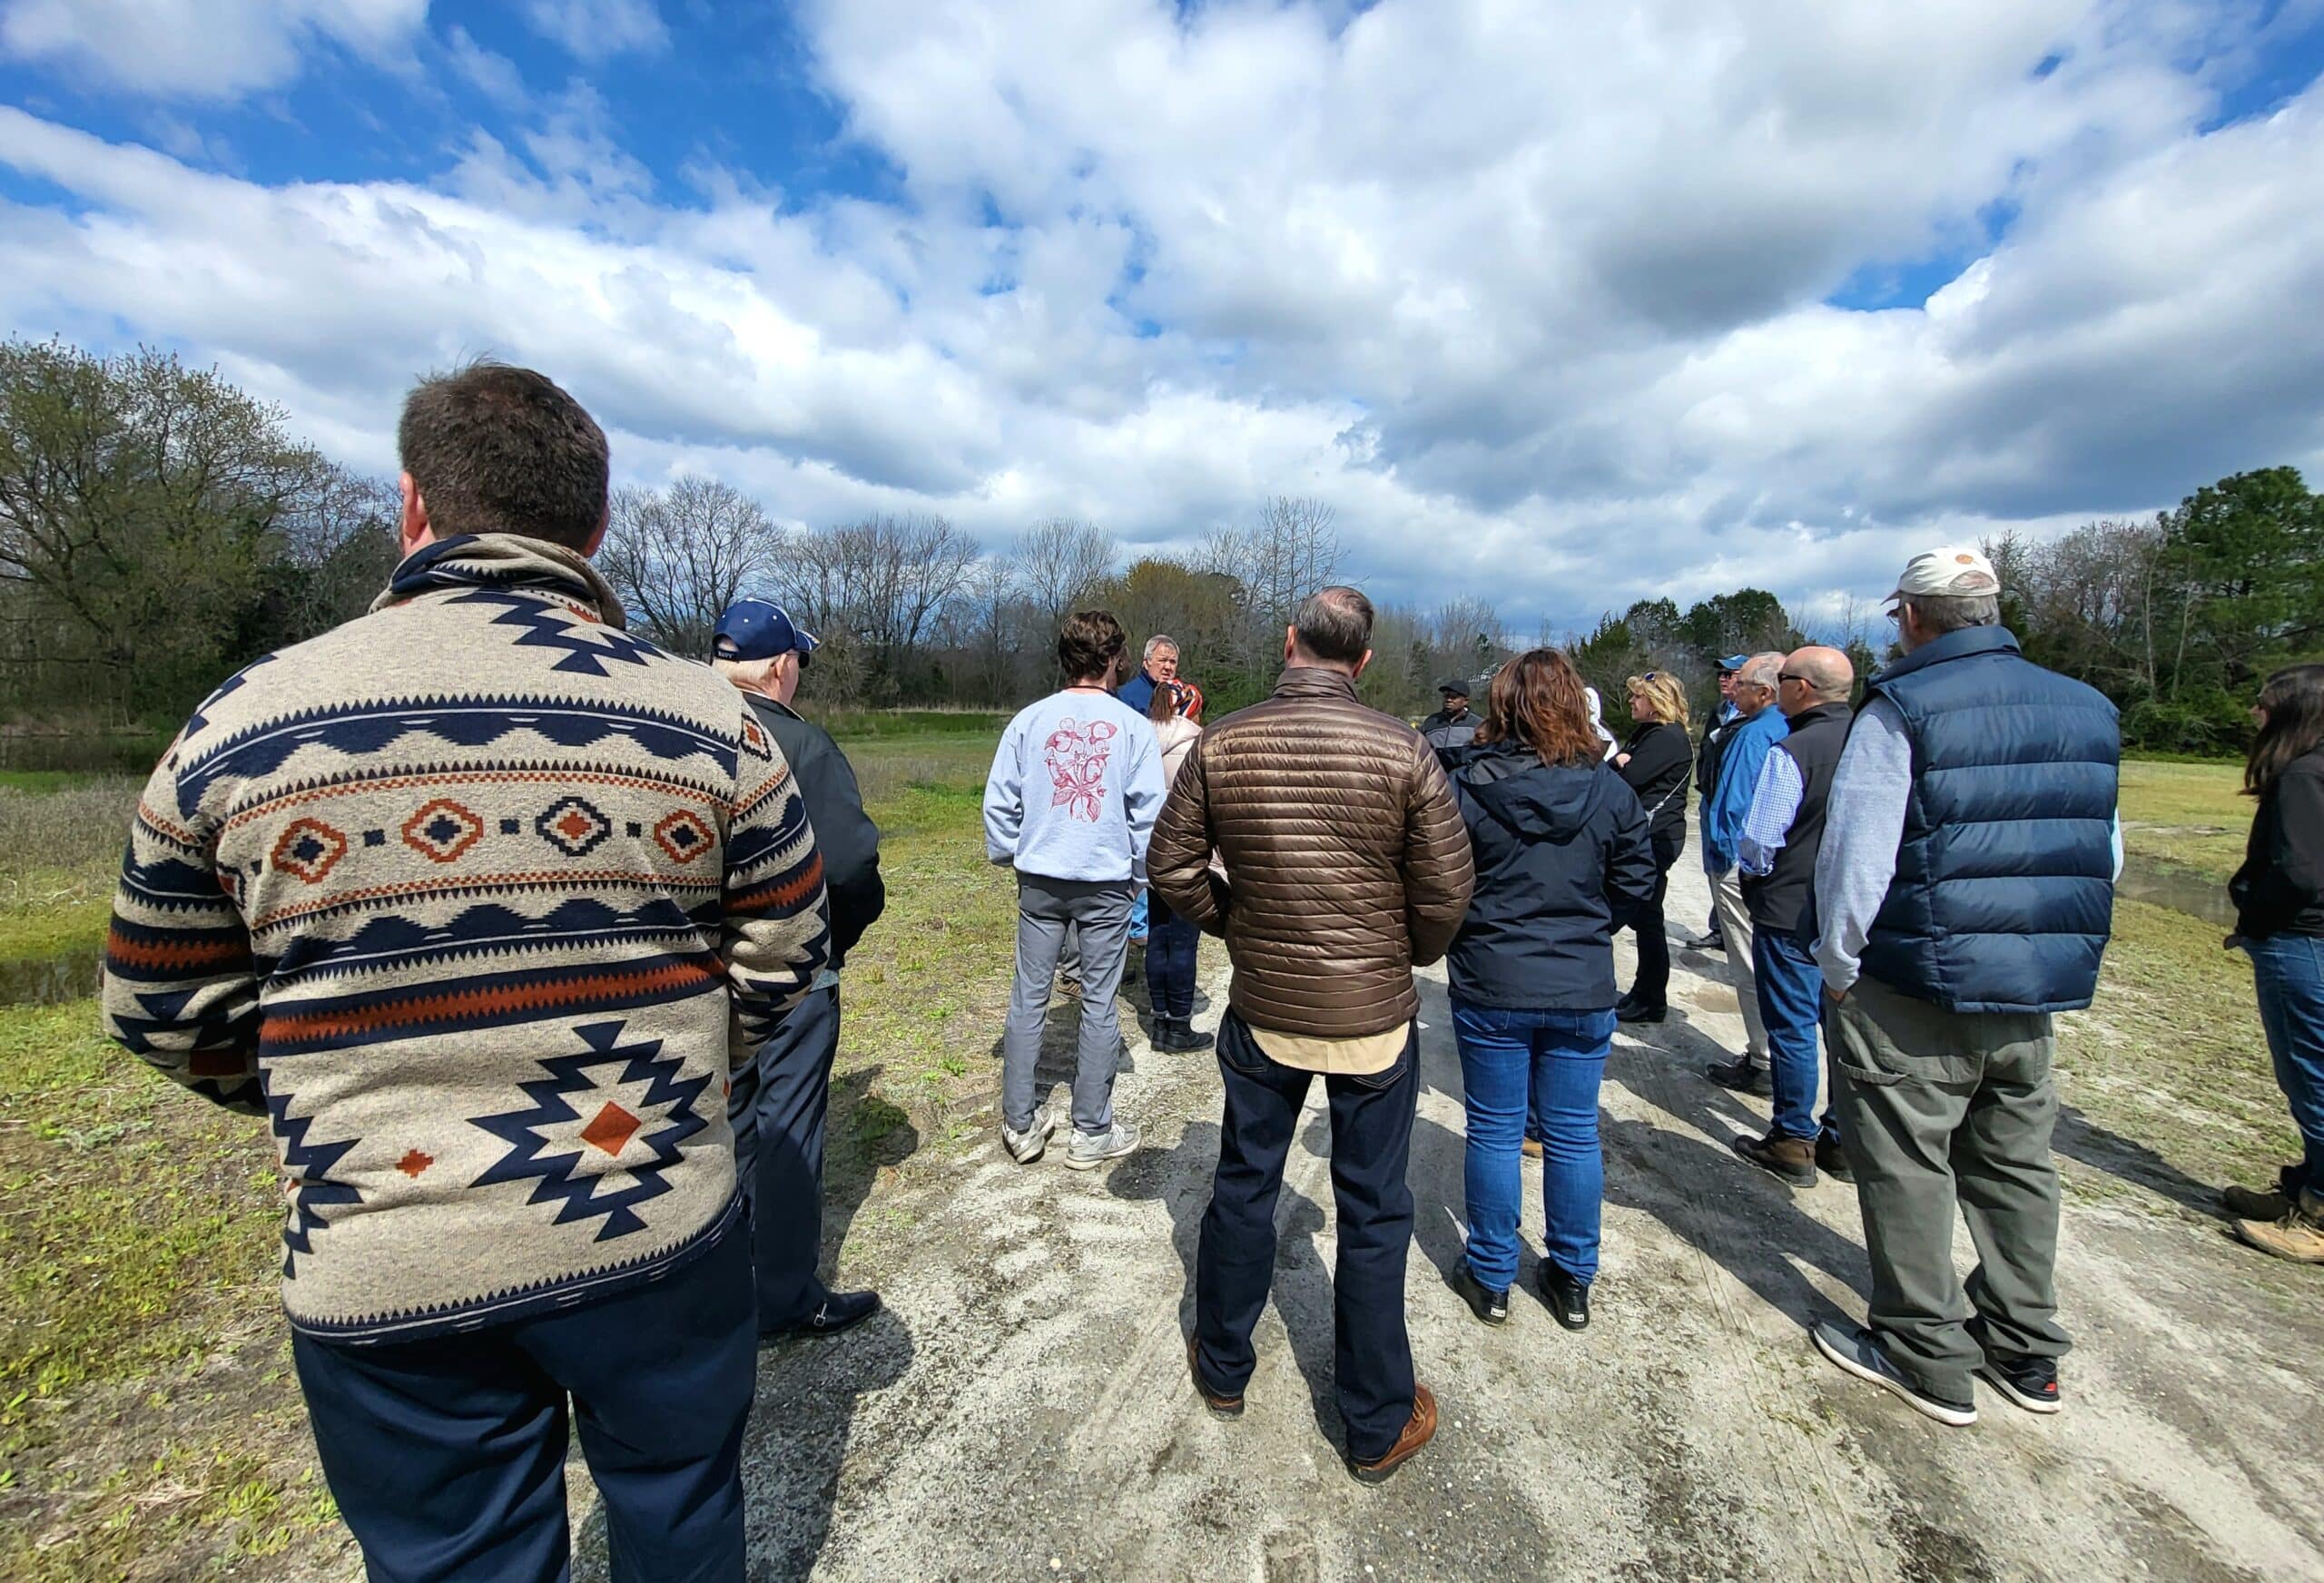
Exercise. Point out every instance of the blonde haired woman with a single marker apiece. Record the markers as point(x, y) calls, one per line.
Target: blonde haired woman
point(1658, 761)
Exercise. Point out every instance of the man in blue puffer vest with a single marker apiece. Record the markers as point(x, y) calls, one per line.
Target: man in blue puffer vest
point(1964, 895)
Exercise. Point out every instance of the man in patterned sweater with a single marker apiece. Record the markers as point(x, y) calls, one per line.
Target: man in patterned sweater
point(477, 900)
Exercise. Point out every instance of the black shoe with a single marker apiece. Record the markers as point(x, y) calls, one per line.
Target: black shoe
point(1640, 1011)
point(1833, 1161)
point(1171, 1034)
point(1567, 1299)
point(1739, 1075)
point(2031, 1383)
point(1486, 1304)
point(1713, 941)
point(1857, 1349)
point(837, 1311)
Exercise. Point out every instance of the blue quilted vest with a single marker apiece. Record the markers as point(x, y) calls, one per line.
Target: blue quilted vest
point(2003, 896)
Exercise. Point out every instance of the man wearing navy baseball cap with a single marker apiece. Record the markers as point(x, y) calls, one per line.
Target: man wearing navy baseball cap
point(1707, 760)
point(779, 1102)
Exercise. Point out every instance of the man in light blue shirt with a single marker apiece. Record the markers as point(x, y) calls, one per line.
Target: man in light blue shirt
point(1744, 753)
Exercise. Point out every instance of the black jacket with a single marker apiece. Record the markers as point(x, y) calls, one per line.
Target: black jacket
point(1562, 861)
point(1447, 732)
point(2279, 888)
point(844, 835)
point(1713, 748)
point(1661, 763)
point(1784, 899)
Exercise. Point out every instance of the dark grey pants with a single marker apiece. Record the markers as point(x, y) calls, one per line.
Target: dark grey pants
point(1098, 912)
point(1937, 1108)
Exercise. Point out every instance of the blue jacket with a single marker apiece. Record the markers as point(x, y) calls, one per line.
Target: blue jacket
point(1563, 860)
point(2003, 894)
point(1138, 692)
point(1744, 750)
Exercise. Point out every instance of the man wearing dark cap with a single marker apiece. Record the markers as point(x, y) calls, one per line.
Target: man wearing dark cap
point(1455, 724)
point(1706, 761)
point(779, 1101)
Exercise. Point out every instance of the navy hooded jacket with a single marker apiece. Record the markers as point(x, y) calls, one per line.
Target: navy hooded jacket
point(1562, 861)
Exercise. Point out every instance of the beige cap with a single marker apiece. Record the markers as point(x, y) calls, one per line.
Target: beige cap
point(1954, 570)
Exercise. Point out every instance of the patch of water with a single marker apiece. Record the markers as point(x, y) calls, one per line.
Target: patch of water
point(2177, 887)
point(49, 980)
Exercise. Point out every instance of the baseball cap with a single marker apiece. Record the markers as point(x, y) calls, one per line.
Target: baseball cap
point(759, 629)
point(1454, 685)
point(1734, 662)
point(1951, 569)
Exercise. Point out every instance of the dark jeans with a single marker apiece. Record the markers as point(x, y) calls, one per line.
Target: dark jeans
point(1171, 942)
point(1538, 1072)
point(447, 1456)
point(778, 1106)
point(1940, 1109)
point(1791, 1003)
point(1371, 1136)
point(1648, 927)
point(2288, 970)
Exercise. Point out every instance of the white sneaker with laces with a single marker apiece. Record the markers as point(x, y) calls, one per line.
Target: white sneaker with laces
point(1029, 1146)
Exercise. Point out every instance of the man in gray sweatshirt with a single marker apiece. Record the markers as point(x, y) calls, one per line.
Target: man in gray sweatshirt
point(1072, 801)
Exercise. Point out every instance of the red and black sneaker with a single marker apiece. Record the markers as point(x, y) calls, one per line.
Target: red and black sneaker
point(2031, 1383)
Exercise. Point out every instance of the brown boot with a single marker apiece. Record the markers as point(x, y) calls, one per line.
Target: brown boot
point(1790, 1159)
point(2298, 1236)
point(1221, 1405)
point(2251, 1204)
point(1419, 1429)
point(1531, 1148)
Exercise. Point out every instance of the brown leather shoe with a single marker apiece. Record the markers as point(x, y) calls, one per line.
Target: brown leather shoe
point(1419, 1429)
point(1532, 1148)
point(1791, 1159)
point(1221, 1406)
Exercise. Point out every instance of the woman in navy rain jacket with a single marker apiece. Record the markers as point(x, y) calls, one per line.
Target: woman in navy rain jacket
point(1563, 860)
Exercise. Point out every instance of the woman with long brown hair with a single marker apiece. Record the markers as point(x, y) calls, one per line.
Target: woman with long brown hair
point(1562, 859)
point(2279, 895)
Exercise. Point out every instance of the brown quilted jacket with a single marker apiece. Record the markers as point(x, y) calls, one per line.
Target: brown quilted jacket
point(1346, 859)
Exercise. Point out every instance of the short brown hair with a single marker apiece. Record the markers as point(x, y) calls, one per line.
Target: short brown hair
point(498, 450)
point(1537, 699)
point(1335, 623)
point(1090, 643)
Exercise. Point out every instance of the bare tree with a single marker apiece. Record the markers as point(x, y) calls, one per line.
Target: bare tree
point(1058, 564)
point(1289, 553)
point(878, 583)
point(678, 557)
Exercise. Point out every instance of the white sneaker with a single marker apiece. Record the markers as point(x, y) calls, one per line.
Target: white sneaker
point(1091, 1150)
point(1027, 1146)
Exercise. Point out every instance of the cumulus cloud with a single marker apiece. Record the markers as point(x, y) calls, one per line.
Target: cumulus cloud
point(1535, 297)
point(199, 49)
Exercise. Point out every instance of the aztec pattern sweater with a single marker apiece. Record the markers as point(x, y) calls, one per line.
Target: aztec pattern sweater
point(478, 898)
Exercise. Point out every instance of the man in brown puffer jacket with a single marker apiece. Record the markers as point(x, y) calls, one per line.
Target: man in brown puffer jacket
point(1346, 865)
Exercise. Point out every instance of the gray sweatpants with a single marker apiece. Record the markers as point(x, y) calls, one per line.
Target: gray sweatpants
point(1938, 1107)
point(1098, 912)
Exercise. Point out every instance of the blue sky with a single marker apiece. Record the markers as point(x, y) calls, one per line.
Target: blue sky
point(1562, 304)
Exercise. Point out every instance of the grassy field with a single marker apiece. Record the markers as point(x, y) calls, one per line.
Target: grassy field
point(149, 1424)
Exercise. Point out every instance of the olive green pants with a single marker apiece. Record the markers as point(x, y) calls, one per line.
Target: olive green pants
point(1937, 1108)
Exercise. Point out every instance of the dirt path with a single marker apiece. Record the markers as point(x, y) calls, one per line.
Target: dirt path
point(1022, 1410)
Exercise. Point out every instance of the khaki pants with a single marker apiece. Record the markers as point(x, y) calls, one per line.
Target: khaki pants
point(1734, 919)
point(1937, 1108)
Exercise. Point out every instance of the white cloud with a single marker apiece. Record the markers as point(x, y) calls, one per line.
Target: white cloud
point(495, 76)
point(199, 49)
point(1534, 295)
point(598, 30)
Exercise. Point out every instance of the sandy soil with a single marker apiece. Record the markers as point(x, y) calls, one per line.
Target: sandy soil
point(1022, 1409)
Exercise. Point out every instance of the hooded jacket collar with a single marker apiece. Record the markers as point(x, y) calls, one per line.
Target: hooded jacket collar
point(506, 560)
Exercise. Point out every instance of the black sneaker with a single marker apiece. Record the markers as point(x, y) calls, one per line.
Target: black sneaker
point(1712, 941)
point(1567, 1299)
point(1486, 1304)
point(1739, 1075)
point(1833, 1160)
point(1640, 1011)
point(837, 1311)
point(1857, 1350)
point(2031, 1383)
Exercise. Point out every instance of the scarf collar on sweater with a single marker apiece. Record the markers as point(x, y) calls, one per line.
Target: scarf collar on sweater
point(506, 560)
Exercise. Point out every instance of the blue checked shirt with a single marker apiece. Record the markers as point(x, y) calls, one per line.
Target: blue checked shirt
point(1774, 803)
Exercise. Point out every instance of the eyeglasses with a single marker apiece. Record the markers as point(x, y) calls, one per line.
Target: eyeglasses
point(1793, 677)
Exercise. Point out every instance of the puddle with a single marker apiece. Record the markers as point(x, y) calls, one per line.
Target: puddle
point(2180, 889)
point(49, 980)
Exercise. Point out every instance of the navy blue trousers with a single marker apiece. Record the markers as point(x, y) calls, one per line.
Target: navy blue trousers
point(1171, 944)
point(447, 1456)
point(1372, 1137)
point(779, 1105)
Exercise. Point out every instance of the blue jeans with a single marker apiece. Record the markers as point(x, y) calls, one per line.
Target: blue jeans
point(1170, 950)
point(2287, 969)
point(1372, 1138)
point(1137, 916)
point(1545, 1065)
point(446, 1454)
point(1791, 1003)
